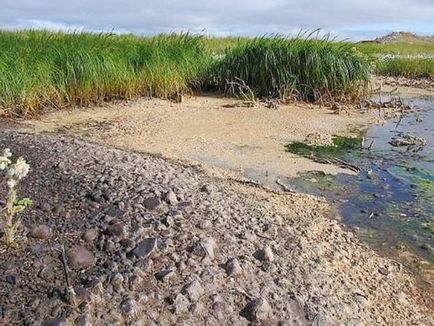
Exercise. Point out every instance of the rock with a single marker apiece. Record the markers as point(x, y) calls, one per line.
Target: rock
point(257, 310)
point(58, 321)
point(127, 243)
point(170, 197)
point(204, 224)
point(152, 203)
point(83, 320)
point(128, 306)
point(90, 235)
point(427, 247)
point(193, 290)
point(205, 248)
point(360, 298)
point(164, 275)
point(265, 254)
point(180, 303)
point(145, 248)
point(233, 267)
point(42, 232)
point(80, 257)
point(116, 229)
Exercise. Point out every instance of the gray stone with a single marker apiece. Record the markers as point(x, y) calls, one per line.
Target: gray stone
point(152, 203)
point(265, 254)
point(145, 248)
point(164, 275)
point(59, 321)
point(257, 310)
point(171, 198)
point(233, 267)
point(80, 257)
point(193, 290)
point(128, 306)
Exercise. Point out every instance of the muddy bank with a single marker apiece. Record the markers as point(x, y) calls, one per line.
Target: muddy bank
point(164, 243)
point(215, 130)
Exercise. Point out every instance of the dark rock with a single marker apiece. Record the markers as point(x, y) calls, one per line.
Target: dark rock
point(152, 203)
point(127, 243)
point(11, 279)
point(265, 255)
point(116, 229)
point(58, 321)
point(80, 257)
point(145, 248)
point(164, 275)
point(128, 306)
point(42, 232)
point(114, 211)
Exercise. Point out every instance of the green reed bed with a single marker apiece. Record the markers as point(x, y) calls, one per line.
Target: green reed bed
point(40, 68)
point(406, 67)
point(307, 69)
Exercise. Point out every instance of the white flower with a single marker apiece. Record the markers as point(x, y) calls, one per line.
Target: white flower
point(7, 153)
point(3, 164)
point(11, 183)
point(21, 168)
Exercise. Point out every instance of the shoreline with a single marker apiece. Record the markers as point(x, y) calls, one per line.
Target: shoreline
point(332, 278)
point(318, 272)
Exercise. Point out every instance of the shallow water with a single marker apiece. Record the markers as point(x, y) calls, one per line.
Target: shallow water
point(392, 207)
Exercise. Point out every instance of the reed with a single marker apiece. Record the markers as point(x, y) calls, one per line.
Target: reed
point(308, 69)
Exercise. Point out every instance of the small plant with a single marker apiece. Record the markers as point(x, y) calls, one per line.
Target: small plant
point(14, 172)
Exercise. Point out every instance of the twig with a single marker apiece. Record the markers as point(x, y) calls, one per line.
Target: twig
point(69, 291)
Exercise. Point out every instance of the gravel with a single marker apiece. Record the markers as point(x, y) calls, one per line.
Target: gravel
point(161, 242)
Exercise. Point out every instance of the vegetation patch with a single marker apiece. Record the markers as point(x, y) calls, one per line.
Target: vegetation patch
point(39, 68)
point(406, 67)
point(307, 69)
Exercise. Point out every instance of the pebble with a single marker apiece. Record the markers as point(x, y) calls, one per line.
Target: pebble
point(145, 248)
point(42, 232)
point(116, 229)
point(152, 203)
point(80, 257)
point(164, 275)
point(208, 245)
point(265, 254)
point(257, 310)
point(128, 306)
point(90, 235)
point(193, 290)
point(170, 197)
point(233, 267)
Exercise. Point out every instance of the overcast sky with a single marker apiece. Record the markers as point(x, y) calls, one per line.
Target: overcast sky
point(354, 19)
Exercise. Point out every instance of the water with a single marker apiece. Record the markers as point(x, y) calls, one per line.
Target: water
point(391, 207)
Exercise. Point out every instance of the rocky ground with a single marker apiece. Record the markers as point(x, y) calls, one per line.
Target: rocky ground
point(154, 242)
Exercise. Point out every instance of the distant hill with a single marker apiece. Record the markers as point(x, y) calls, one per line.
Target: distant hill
point(403, 37)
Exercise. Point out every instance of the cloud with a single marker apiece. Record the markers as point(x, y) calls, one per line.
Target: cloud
point(223, 17)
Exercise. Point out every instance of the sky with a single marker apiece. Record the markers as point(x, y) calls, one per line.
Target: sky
point(344, 19)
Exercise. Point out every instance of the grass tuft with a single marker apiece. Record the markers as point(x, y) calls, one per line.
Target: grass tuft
point(307, 69)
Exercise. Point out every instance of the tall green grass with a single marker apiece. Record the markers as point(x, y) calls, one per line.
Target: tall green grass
point(39, 68)
point(406, 67)
point(308, 69)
